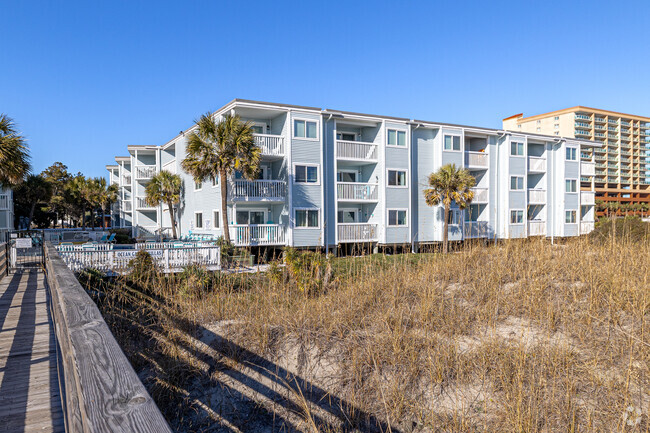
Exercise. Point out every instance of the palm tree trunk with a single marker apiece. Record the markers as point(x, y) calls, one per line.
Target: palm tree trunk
point(224, 205)
point(445, 232)
point(171, 217)
point(31, 215)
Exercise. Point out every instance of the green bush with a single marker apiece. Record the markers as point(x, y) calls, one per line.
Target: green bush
point(310, 271)
point(194, 280)
point(143, 268)
point(630, 228)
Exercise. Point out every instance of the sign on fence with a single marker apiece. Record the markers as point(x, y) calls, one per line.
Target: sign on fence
point(24, 243)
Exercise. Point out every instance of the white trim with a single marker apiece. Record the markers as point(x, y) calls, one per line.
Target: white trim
point(576, 216)
point(296, 209)
point(523, 142)
point(406, 174)
point(215, 182)
point(406, 142)
point(388, 210)
point(460, 142)
point(306, 164)
point(523, 217)
point(304, 119)
point(576, 184)
point(202, 220)
point(218, 219)
point(195, 188)
point(523, 183)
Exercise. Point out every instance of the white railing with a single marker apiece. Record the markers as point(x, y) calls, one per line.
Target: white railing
point(357, 150)
point(587, 198)
point(152, 232)
point(127, 205)
point(170, 166)
point(126, 179)
point(258, 189)
point(357, 232)
point(257, 234)
point(476, 159)
point(536, 163)
point(480, 195)
point(271, 144)
point(4, 202)
point(537, 196)
point(141, 203)
point(587, 168)
point(145, 171)
point(586, 227)
point(536, 228)
point(356, 191)
point(167, 260)
point(85, 247)
point(476, 229)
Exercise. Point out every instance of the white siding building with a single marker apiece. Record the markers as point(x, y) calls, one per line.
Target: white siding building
point(332, 177)
point(6, 212)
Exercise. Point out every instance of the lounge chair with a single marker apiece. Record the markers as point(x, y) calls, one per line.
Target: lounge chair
point(111, 238)
point(103, 239)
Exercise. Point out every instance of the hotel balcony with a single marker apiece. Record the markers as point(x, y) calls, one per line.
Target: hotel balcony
point(358, 151)
point(126, 180)
point(587, 168)
point(145, 172)
point(127, 206)
point(257, 234)
point(537, 196)
point(356, 192)
point(536, 164)
point(582, 133)
point(536, 228)
point(4, 202)
point(356, 232)
point(476, 229)
point(258, 190)
point(587, 198)
point(476, 160)
point(586, 227)
point(141, 204)
point(271, 145)
point(583, 117)
point(170, 166)
point(481, 195)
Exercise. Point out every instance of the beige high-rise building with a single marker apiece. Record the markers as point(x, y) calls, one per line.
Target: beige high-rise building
point(622, 163)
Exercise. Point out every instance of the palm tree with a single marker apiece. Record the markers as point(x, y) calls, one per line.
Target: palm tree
point(217, 149)
point(14, 154)
point(33, 191)
point(448, 184)
point(165, 187)
point(81, 194)
point(105, 196)
point(645, 207)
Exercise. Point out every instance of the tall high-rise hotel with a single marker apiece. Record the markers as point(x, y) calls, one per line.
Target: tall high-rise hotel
point(622, 163)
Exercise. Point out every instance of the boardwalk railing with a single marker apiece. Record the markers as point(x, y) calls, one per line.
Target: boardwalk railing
point(100, 390)
point(167, 259)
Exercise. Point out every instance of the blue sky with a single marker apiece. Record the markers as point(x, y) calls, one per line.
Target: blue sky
point(83, 79)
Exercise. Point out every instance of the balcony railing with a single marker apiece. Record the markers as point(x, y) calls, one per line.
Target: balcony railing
point(141, 203)
point(587, 168)
point(536, 228)
point(356, 232)
point(587, 198)
point(272, 145)
point(170, 166)
point(4, 202)
point(476, 229)
point(480, 195)
point(258, 190)
point(356, 150)
point(257, 234)
point(476, 159)
point(586, 227)
point(537, 196)
point(127, 206)
point(126, 179)
point(145, 171)
point(537, 164)
point(355, 191)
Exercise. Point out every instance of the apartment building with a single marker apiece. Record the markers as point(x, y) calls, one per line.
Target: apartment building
point(6, 212)
point(622, 171)
point(330, 177)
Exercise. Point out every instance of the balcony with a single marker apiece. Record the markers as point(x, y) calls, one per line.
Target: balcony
point(537, 196)
point(587, 198)
point(536, 164)
point(126, 180)
point(476, 159)
point(271, 145)
point(587, 168)
point(476, 229)
point(145, 172)
point(586, 227)
point(170, 166)
point(141, 203)
point(536, 228)
point(356, 232)
point(257, 234)
point(356, 191)
point(4, 202)
point(356, 151)
point(127, 206)
point(258, 190)
point(583, 117)
point(582, 133)
point(480, 195)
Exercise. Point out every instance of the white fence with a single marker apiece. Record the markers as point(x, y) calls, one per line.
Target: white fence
point(357, 232)
point(167, 260)
point(145, 171)
point(537, 196)
point(258, 189)
point(536, 163)
point(356, 150)
point(356, 191)
point(257, 234)
point(586, 227)
point(272, 145)
point(536, 228)
point(480, 195)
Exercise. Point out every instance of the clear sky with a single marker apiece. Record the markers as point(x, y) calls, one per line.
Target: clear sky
point(85, 78)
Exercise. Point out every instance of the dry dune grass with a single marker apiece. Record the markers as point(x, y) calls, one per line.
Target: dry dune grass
point(523, 337)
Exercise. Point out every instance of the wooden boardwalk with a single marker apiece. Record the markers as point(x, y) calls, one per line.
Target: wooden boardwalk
point(30, 399)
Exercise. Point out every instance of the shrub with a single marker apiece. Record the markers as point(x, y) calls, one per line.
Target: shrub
point(630, 228)
point(310, 271)
point(194, 280)
point(142, 267)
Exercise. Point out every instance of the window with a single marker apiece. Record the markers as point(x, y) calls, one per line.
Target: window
point(557, 133)
point(304, 129)
point(306, 174)
point(539, 121)
point(516, 183)
point(397, 217)
point(571, 185)
point(516, 148)
point(455, 217)
point(198, 220)
point(452, 142)
point(556, 126)
point(396, 138)
point(307, 218)
point(215, 181)
point(216, 219)
point(570, 217)
point(556, 118)
point(571, 154)
point(518, 126)
point(396, 178)
point(245, 217)
point(516, 217)
point(198, 185)
point(539, 129)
